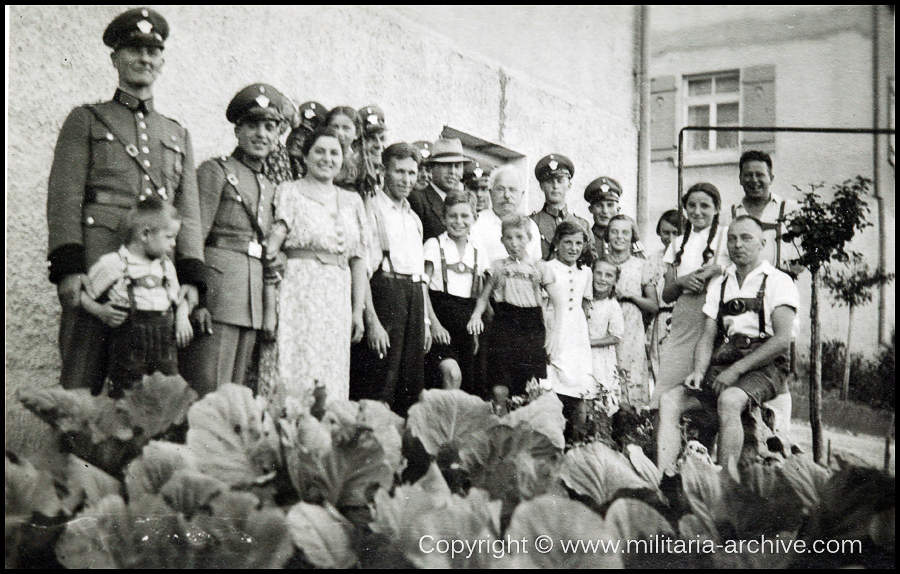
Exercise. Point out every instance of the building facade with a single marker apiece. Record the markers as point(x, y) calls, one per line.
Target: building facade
point(821, 67)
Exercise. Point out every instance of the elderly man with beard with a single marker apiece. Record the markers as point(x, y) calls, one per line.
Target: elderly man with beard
point(741, 359)
point(390, 365)
point(108, 156)
point(507, 190)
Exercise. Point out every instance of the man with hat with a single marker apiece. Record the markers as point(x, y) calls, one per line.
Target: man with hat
point(554, 172)
point(602, 195)
point(476, 181)
point(309, 117)
point(424, 178)
point(447, 161)
point(107, 157)
point(236, 210)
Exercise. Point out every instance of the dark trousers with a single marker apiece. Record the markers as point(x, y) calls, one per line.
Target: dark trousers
point(142, 345)
point(454, 314)
point(397, 378)
point(83, 349)
point(515, 347)
point(222, 357)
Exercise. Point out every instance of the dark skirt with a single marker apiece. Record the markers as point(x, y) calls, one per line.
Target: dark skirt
point(515, 347)
point(143, 345)
point(454, 313)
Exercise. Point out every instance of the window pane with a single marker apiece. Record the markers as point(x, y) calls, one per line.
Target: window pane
point(726, 140)
point(727, 114)
point(698, 116)
point(727, 84)
point(700, 87)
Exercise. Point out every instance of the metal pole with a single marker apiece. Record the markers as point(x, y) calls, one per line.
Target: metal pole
point(876, 175)
point(680, 176)
point(643, 187)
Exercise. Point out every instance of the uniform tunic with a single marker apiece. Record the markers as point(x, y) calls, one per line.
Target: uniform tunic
point(100, 168)
point(549, 218)
point(229, 187)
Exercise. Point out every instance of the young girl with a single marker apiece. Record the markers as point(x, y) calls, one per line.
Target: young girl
point(456, 267)
point(692, 260)
point(134, 290)
point(568, 347)
point(636, 292)
point(667, 228)
point(515, 347)
point(606, 327)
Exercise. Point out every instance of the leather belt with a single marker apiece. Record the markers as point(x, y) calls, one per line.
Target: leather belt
point(404, 276)
point(743, 341)
point(320, 256)
point(112, 199)
point(250, 248)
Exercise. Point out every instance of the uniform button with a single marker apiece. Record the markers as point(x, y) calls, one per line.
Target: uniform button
point(144, 137)
point(148, 191)
point(178, 149)
point(146, 177)
point(110, 137)
point(145, 149)
point(146, 163)
point(90, 220)
point(143, 125)
point(140, 115)
point(238, 199)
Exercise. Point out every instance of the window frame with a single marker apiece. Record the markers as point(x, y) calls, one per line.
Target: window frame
point(712, 155)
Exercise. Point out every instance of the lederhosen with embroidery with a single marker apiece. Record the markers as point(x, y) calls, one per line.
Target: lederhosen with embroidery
point(515, 347)
point(145, 342)
point(398, 377)
point(730, 349)
point(454, 313)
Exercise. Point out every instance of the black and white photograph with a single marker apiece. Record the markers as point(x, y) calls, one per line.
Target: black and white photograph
point(410, 286)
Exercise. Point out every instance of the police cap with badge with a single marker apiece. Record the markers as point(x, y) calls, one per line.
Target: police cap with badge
point(312, 115)
point(475, 171)
point(259, 102)
point(372, 119)
point(136, 28)
point(425, 149)
point(602, 188)
point(553, 164)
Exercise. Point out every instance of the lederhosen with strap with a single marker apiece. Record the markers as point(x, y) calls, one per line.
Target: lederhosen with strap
point(454, 313)
point(515, 352)
point(398, 377)
point(145, 343)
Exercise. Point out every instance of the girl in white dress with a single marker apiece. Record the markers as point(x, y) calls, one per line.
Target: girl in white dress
point(568, 345)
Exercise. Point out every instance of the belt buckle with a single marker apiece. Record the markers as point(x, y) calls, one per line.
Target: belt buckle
point(255, 250)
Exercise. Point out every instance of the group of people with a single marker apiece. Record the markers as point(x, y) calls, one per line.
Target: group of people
point(334, 260)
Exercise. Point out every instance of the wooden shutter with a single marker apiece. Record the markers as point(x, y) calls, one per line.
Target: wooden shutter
point(758, 106)
point(663, 142)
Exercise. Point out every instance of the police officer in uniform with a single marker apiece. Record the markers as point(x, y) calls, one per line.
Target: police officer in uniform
point(236, 210)
point(108, 155)
point(309, 117)
point(554, 172)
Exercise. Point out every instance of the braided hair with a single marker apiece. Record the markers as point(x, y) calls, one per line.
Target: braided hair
point(713, 193)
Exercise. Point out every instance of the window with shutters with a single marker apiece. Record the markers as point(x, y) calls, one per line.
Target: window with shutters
point(712, 100)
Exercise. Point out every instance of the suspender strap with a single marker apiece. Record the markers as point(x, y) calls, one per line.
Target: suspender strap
point(130, 149)
point(720, 323)
point(443, 265)
point(778, 232)
point(475, 287)
point(382, 235)
point(760, 308)
point(232, 180)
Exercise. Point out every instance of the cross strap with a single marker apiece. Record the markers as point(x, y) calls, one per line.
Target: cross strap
point(130, 149)
point(232, 180)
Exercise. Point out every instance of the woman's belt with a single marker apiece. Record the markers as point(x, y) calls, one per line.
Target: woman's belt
point(250, 247)
point(321, 256)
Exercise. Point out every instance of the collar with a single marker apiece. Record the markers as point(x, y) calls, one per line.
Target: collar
point(132, 103)
point(387, 201)
point(253, 163)
point(556, 212)
point(131, 259)
point(773, 198)
point(440, 192)
point(598, 230)
point(764, 268)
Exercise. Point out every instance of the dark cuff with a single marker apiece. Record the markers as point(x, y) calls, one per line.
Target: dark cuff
point(66, 260)
point(190, 272)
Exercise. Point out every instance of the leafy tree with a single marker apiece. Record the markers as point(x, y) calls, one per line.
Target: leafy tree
point(852, 286)
point(823, 231)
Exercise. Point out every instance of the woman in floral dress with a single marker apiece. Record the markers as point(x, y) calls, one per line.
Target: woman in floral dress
point(321, 230)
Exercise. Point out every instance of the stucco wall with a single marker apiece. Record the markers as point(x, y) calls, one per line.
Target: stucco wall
point(335, 55)
point(822, 80)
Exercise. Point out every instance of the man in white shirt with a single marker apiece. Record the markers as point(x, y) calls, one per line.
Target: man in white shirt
point(507, 190)
point(753, 309)
point(389, 365)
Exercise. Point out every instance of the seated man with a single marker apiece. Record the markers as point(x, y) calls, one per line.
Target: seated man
point(753, 311)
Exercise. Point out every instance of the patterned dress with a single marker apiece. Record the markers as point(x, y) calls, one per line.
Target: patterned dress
point(314, 299)
point(636, 273)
